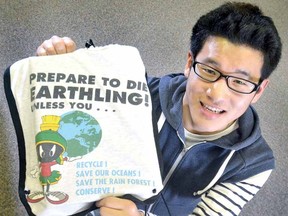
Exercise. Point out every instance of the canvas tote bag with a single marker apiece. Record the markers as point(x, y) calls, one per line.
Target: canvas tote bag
point(84, 127)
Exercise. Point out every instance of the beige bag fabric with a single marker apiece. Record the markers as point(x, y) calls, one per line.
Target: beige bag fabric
point(84, 127)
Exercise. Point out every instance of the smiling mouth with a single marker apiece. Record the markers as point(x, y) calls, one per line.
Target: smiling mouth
point(212, 109)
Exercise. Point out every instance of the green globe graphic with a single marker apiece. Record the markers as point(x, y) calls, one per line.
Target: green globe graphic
point(81, 131)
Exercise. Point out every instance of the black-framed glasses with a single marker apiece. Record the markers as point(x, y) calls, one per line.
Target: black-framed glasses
point(237, 84)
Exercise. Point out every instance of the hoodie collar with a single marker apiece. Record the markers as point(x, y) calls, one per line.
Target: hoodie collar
point(171, 90)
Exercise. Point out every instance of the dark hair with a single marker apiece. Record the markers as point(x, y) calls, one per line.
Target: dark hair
point(240, 23)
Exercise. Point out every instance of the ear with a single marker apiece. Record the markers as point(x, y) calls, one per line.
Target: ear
point(189, 63)
point(260, 90)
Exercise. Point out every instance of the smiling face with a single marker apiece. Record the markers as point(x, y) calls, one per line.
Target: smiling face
point(211, 107)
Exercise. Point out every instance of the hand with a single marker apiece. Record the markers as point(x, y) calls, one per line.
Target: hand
point(113, 206)
point(56, 45)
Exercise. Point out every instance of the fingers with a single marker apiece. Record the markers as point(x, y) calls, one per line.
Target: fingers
point(116, 203)
point(56, 45)
point(70, 44)
point(117, 206)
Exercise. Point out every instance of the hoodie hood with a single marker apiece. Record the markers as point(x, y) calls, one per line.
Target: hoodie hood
point(171, 91)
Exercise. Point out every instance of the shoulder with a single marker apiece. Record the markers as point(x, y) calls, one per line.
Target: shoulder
point(252, 154)
point(254, 159)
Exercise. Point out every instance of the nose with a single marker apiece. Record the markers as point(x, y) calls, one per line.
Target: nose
point(218, 90)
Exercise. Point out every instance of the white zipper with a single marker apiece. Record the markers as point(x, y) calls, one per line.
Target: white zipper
point(176, 163)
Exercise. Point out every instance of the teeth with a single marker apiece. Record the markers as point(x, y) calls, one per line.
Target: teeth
point(213, 109)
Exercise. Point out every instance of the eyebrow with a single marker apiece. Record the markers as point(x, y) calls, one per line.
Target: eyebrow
point(216, 64)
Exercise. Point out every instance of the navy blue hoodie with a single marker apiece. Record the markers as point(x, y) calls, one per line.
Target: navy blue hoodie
point(187, 174)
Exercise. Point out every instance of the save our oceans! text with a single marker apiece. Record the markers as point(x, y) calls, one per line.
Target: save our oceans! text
point(94, 177)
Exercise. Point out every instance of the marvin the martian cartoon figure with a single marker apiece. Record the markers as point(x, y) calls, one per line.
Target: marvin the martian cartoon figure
point(50, 146)
point(72, 135)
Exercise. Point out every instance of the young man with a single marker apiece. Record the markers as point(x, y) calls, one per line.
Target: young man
point(215, 158)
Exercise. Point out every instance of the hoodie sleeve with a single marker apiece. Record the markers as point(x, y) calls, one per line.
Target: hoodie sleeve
point(230, 198)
